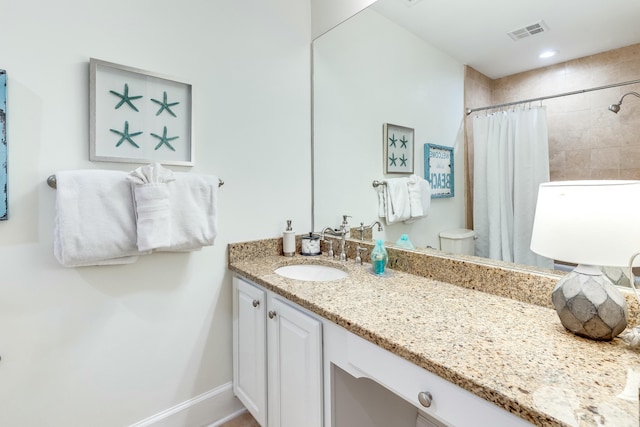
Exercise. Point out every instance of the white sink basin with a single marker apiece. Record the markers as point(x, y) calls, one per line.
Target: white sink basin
point(311, 272)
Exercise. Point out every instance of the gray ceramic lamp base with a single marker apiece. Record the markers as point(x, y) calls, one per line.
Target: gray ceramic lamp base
point(589, 305)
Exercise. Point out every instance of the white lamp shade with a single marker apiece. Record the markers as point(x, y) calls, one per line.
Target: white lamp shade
point(588, 222)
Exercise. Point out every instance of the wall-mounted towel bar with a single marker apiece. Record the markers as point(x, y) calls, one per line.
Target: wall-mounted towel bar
point(377, 183)
point(51, 181)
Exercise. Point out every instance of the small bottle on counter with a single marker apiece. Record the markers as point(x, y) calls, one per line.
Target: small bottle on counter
point(379, 258)
point(289, 240)
point(404, 242)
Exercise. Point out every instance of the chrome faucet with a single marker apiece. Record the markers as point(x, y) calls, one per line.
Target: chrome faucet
point(338, 232)
point(342, 233)
point(363, 227)
point(358, 257)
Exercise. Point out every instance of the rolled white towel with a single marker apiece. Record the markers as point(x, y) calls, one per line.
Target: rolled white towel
point(151, 173)
point(151, 201)
point(153, 216)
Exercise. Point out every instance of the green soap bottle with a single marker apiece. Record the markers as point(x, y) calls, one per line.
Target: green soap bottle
point(379, 257)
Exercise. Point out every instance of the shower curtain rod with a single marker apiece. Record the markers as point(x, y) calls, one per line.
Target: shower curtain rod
point(542, 98)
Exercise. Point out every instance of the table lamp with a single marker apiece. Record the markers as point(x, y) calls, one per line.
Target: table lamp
point(589, 223)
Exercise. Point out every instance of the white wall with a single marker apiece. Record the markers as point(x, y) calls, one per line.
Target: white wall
point(369, 71)
point(326, 14)
point(110, 346)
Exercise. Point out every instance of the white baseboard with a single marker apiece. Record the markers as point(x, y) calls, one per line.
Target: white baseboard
point(211, 409)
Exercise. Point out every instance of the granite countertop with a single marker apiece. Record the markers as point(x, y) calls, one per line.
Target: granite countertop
point(512, 353)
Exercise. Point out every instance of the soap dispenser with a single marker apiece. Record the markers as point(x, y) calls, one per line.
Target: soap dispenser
point(288, 240)
point(379, 258)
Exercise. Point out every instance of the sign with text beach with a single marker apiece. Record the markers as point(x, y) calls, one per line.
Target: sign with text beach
point(438, 170)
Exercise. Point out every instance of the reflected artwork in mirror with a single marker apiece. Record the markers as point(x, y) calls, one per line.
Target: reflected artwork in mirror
point(355, 91)
point(355, 86)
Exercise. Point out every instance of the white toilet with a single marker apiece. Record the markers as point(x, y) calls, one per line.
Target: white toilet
point(458, 241)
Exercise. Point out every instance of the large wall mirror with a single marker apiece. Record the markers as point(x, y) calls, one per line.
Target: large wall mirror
point(371, 70)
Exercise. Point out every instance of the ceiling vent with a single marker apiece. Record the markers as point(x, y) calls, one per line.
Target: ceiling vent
point(528, 31)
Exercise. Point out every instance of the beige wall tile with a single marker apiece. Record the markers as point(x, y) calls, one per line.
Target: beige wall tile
point(630, 157)
point(605, 158)
point(586, 140)
point(630, 173)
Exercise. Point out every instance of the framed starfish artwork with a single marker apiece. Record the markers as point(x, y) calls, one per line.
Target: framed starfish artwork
point(397, 149)
point(138, 116)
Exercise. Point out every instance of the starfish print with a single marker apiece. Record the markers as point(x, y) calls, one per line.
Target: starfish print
point(392, 160)
point(164, 105)
point(392, 140)
point(164, 140)
point(404, 141)
point(403, 161)
point(126, 136)
point(125, 97)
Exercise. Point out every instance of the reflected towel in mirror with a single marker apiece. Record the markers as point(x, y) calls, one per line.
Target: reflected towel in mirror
point(405, 199)
point(419, 197)
point(394, 200)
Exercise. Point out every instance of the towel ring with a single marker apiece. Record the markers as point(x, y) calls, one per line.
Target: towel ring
point(51, 182)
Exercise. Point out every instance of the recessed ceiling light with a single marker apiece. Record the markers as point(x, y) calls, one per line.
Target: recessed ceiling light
point(547, 54)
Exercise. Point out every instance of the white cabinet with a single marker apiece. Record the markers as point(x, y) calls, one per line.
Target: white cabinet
point(294, 347)
point(277, 358)
point(279, 351)
point(249, 348)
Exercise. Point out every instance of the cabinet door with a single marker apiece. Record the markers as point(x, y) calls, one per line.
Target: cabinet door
point(294, 367)
point(249, 348)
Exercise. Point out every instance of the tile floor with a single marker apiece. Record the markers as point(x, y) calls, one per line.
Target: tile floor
point(244, 420)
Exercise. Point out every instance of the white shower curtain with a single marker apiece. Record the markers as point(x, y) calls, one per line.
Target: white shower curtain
point(511, 158)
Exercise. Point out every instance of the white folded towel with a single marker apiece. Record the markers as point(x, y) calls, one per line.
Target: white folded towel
point(396, 200)
point(95, 220)
point(419, 197)
point(151, 202)
point(382, 202)
point(193, 202)
point(415, 195)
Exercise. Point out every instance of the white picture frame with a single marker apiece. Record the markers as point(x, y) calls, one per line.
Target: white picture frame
point(138, 116)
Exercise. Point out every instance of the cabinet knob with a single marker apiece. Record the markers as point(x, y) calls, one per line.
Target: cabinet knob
point(272, 314)
point(425, 398)
point(256, 302)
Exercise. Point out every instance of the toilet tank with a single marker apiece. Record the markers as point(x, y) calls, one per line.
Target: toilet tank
point(458, 241)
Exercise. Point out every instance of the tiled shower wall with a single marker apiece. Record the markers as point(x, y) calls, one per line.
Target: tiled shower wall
point(586, 140)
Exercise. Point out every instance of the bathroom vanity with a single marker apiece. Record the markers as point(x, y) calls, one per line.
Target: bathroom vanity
point(418, 351)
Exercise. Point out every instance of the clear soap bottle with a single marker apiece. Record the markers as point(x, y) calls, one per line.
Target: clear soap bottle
point(379, 258)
